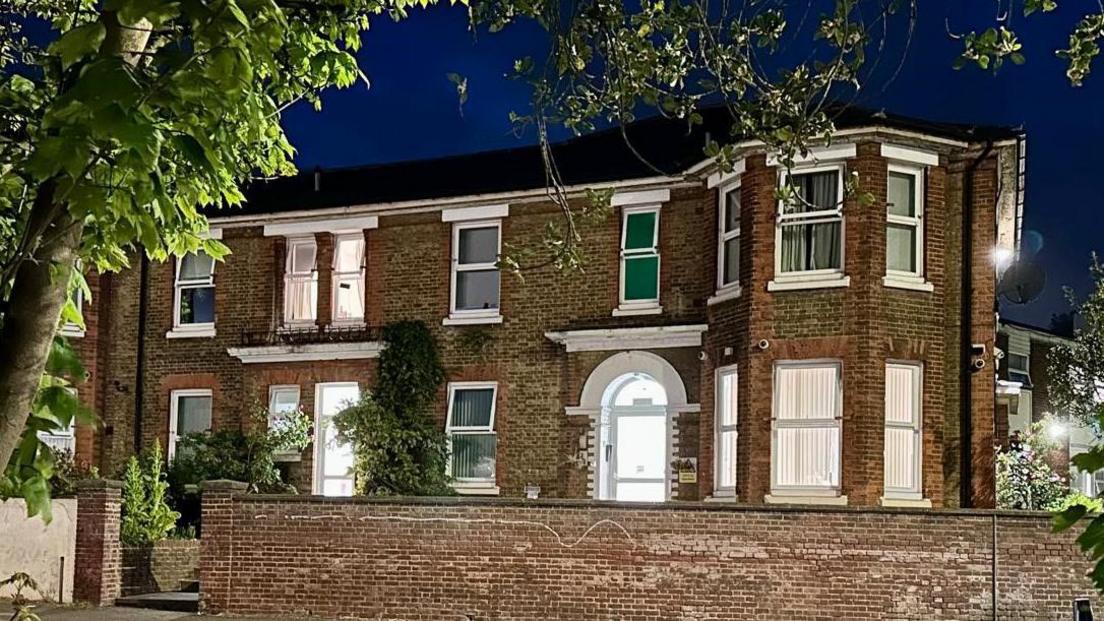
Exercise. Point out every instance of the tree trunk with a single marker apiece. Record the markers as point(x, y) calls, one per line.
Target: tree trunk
point(38, 292)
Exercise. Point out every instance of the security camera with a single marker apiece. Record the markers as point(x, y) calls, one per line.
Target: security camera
point(764, 344)
point(978, 364)
point(701, 355)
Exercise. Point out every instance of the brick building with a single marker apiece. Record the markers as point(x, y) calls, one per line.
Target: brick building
point(720, 344)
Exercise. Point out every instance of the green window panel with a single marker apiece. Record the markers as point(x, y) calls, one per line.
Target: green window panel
point(641, 278)
point(640, 230)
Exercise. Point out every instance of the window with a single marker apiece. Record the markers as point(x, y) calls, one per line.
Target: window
point(61, 439)
point(904, 224)
point(903, 394)
point(189, 412)
point(475, 277)
point(282, 401)
point(348, 278)
point(301, 282)
point(640, 259)
point(69, 328)
point(725, 470)
point(333, 460)
point(195, 293)
point(470, 428)
point(728, 246)
point(1019, 369)
point(809, 234)
point(806, 444)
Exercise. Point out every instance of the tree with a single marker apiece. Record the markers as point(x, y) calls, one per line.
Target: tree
point(1025, 478)
point(139, 116)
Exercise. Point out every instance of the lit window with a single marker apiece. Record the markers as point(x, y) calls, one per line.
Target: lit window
point(475, 276)
point(301, 282)
point(348, 278)
point(904, 223)
point(189, 413)
point(806, 449)
point(640, 258)
point(903, 456)
point(470, 429)
point(725, 475)
point(728, 249)
point(810, 224)
point(195, 291)
point(333, 459)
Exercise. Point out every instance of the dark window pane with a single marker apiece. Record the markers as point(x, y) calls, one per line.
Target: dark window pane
point(472, 407)
point(197, 305)
point(814, 192)
point(473, 456)
point(811, 247)
point(732, 210)
point(641, 278)
point(732, 260)
point(477, 290)
point(640, 230)
point(479, 245)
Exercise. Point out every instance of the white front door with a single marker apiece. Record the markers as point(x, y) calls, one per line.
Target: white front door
point(637, 454)
point(333, 461)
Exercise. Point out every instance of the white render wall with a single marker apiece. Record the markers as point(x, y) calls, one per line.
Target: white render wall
point(39, 549)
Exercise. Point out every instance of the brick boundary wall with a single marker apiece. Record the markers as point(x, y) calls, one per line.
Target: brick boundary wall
point(98, 566)
point(168, 565)
point(461, 558)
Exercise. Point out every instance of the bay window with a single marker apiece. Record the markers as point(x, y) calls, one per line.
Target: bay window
point(475, 275)
point(903, 392)
point(805, 455)
point(348, 278)
point(301, 281)
point(194, 295)
point(724, 484)
point(472, 439)
point(809, 231)
point(639, 260)
point(904, 225)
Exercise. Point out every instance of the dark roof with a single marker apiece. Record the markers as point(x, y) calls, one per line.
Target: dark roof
point(1064, 334)
point(601, 156)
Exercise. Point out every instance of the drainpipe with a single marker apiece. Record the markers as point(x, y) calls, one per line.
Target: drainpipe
point(140, 356)
point(966, 478)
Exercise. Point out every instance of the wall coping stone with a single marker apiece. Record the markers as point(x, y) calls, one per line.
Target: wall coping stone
point(223, 485)
point(680, 506)
point(98, 484)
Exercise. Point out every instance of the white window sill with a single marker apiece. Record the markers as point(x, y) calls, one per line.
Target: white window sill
point(915, 503)
point(476, 489)
point(730, 292)
point(797, 284)
point(460, 319)
point(786, 499)
point(630, 310)
point(191, 332)
point(914, 284)
point(71, 331)
point(348, 323)
point(297, 325)
point(718, 497)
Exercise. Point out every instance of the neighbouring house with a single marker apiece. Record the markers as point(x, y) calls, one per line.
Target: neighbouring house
point(1023, 393)
point(719, 345)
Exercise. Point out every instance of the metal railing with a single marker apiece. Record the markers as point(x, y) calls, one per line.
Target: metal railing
point(309, 335)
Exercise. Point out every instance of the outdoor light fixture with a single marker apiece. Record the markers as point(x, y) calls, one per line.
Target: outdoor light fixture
point(1002, 256)
point(1055, 429)
point(1082, 609)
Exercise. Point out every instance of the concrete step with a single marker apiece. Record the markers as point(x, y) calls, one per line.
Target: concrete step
point(176, 601)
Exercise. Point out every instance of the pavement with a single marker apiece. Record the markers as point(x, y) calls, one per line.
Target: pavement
point(75, 613)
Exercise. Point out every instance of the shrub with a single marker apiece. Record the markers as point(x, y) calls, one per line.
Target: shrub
point(68, 472)
point(1025, 479)
point(147, 517)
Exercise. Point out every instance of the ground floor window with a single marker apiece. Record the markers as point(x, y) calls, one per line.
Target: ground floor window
point(333, 460)
point(189, 413)
point(903, 390)
point(725, 472)
point(470, 429)
point(805, 457)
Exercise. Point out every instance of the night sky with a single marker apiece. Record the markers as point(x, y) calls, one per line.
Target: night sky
point(411, 111)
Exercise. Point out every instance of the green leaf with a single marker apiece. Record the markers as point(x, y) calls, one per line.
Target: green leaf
point(79, 42)
point(1062, 521)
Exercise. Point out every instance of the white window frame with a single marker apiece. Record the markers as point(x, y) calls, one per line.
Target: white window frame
point(719, 430)
point(639, 307)
point(477, 315)
point(729, 290)
point(336, 277)
point(290, 275)
point(810, 279)
point(471, 485)
point(318, 473)
point(62, 439)
point(901, 278)
point(916, 490)
point(174, 414)
point(273, 390)
point(835, 422)
point(188, 330)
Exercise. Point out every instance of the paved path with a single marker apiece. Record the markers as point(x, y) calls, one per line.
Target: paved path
point(54, 613)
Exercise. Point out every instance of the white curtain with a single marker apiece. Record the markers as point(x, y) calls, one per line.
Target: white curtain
point(902, 437)
point(807, 430)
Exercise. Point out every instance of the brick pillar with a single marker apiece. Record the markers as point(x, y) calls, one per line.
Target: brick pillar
point(216, 549)
point(324, 265)
point(98, 567)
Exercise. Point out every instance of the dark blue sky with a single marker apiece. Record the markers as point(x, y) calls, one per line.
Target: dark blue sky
point(411, 111)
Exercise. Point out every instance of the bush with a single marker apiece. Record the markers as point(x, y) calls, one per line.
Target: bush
point(1025, 479)
point(147, 517)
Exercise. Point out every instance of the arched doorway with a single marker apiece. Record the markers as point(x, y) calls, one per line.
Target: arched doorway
point(633, 440)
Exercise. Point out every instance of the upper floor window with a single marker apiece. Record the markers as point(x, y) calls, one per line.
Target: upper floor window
point(348, 278)
point(189, 412)
point(301, 281)
point(809, 231)
point(194, 306)
point(475, 276)
point(472, 439)
point(805, 459)
point(728, 245)
point(639, 260)
point(724, 483)
point(904, 225)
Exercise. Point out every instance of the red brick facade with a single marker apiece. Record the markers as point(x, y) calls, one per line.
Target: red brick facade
point(862, 325)
point(508, 559)
point(98, 564)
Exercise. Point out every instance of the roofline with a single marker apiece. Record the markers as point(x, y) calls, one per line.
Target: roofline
point(1043, 333)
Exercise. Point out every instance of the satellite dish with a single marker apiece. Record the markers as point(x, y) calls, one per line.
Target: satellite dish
point(1022, 282)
